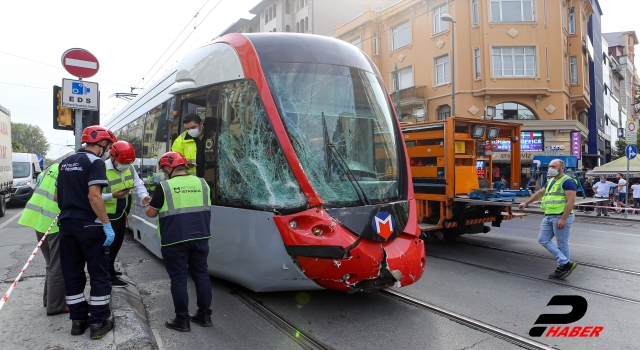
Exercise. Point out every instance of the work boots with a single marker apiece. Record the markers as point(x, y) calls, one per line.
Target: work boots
point(203, 320)
point(78, 327)
point(99, 330)
point(181, 326)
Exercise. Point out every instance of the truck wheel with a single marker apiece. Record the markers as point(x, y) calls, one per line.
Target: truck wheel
point(3, 206)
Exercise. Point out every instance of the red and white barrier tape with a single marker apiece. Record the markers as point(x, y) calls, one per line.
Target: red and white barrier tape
point(35, 251)
point(605, 207)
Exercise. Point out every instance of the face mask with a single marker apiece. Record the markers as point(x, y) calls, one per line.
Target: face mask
point(122, 167)
point(194, 132)
point(553, 172)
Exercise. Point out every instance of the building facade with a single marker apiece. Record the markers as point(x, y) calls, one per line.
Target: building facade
point(615, 113)
point(622, 46)
point(598, 147)
point(303, 16)
point(528, 58)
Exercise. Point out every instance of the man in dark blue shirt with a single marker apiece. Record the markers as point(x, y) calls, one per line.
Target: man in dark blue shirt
point(84, 223)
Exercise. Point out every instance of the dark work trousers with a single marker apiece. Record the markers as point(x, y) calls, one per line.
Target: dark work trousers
point(176, 258)
point(54, 297)
point(82, 242)
point(119, 226)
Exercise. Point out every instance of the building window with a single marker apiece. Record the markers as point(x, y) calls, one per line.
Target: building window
point(514, 61)
point(270, 14)
point(401, 35)
point(513, 110)
point(474, 12)
point(585, 73)
point(418, 114)
point(438, 24)
point(287, 10)
point(356, 42)
point(511, 10)
point(572, 21)
point(306, 24)
point(375, 44)
point(442, 70)
point(297, 27)
point(444, 112)
point(287, 28)
point(405, 75)
point(478, 67)
point(274, 30)
point(574, 69)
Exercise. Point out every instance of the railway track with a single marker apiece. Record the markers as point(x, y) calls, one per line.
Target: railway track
point(469, 322)
point(632, 301)
point(629, 272)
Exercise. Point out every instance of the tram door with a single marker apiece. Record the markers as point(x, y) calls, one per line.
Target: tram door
point(205, 104)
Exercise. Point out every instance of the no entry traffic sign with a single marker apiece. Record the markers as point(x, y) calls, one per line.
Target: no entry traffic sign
point(80, 63)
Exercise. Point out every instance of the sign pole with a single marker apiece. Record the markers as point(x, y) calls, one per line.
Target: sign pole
point(78, 124)
point(631, 152)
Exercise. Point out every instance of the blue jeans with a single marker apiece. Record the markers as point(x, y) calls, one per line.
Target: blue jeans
point(176, 259)
point(548, 229)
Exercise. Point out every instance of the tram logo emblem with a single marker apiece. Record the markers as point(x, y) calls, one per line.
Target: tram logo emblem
point(383, 224)
point(578, 310)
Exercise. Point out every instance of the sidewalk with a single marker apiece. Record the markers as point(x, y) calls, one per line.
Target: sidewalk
point(590, 214)
point(24, 323)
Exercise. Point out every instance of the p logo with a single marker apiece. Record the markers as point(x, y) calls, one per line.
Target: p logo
point(383, 224)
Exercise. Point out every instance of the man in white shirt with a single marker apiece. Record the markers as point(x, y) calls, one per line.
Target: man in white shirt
point(621, 198)
point(636, 197)
point(602, 191)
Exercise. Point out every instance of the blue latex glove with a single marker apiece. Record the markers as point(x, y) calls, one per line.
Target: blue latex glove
point(108, 230)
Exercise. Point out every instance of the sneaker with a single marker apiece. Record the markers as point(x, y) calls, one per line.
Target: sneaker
point(203, 320)
point(118, 283)
point(181, 326)
point(567, 269)
point(78, 327)
point(99, 330)
point(556, 274)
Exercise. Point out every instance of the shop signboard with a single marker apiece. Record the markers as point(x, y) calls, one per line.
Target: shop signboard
point(576, 149)
point(530, 141)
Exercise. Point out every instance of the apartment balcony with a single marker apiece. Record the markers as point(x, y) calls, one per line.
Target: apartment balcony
point(411, 96)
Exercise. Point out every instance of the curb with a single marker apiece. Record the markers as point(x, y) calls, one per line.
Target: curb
point(131, 330)
point(615, 217)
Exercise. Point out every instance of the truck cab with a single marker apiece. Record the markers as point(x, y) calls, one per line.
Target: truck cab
point(26, 168)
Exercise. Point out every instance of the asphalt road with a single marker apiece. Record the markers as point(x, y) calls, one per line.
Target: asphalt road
point(508, 290)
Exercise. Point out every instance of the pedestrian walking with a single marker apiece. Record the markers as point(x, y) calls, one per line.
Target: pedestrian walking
point(39, 213)
point(558, 199)
point(117, 199)
point(636, 197)
point(84, 223)
point(602, 191)
point(621, 198)
point(182, 205)
point(191, 144)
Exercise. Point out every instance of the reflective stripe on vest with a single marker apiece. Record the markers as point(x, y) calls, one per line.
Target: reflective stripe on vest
point(555, 199)
point(117, 181)
point(186, 212)
point(41, 209)
point(187, 148)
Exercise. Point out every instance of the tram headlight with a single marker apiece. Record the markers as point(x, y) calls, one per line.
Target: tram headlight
point(293, 224)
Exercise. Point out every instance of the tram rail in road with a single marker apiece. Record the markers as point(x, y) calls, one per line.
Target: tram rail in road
point(469, 322)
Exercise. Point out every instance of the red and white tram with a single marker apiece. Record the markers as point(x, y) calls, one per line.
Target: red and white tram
point(309, 174)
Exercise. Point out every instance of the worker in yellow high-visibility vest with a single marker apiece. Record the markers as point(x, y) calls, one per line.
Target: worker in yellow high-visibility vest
point(39, 213)
point(558, 199)
point(191, 144)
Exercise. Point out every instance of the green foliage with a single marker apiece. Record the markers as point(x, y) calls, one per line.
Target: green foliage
point(31, 137)
point(17, 146)
point(618, 152)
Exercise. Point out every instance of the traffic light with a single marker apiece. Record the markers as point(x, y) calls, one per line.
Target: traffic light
point(62, 117)
point(90, 118)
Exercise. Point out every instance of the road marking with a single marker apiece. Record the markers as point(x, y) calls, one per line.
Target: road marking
point(81, 63)
point(145, 221)
point(158, 339)
point(9, 221)
point(615, 233)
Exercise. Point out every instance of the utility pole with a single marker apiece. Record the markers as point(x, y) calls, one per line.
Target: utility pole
point(397, 87)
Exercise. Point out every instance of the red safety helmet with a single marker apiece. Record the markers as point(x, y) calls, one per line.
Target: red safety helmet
point(97, 133)
point(172, 160)
point(123, 152)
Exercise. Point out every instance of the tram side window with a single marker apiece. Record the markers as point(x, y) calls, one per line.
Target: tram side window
point(154, 142)
point(252, 169)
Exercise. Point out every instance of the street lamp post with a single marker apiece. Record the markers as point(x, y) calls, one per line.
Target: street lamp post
point(447, 18)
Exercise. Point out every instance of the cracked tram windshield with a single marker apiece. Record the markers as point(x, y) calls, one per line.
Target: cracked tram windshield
point(341, 127)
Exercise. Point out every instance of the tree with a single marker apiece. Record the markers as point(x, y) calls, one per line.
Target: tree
point(621, 145)
point(31, 137)
point(17, 146)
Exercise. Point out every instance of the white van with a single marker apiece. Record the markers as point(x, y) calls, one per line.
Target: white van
point(26, 169)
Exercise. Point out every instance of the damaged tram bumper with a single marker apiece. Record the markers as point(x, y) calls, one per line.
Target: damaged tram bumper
point(336, 250)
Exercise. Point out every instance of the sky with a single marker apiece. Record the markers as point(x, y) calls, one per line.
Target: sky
point(127, 37)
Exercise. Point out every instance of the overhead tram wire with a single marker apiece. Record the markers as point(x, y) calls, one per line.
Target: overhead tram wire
point(27, 86)
point(185, 39)
point(50, 65)
point(174, 40)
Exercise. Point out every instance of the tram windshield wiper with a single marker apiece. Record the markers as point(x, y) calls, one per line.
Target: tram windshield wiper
point(330, 149)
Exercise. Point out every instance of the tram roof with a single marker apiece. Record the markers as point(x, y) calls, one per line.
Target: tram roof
point(308, 48)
